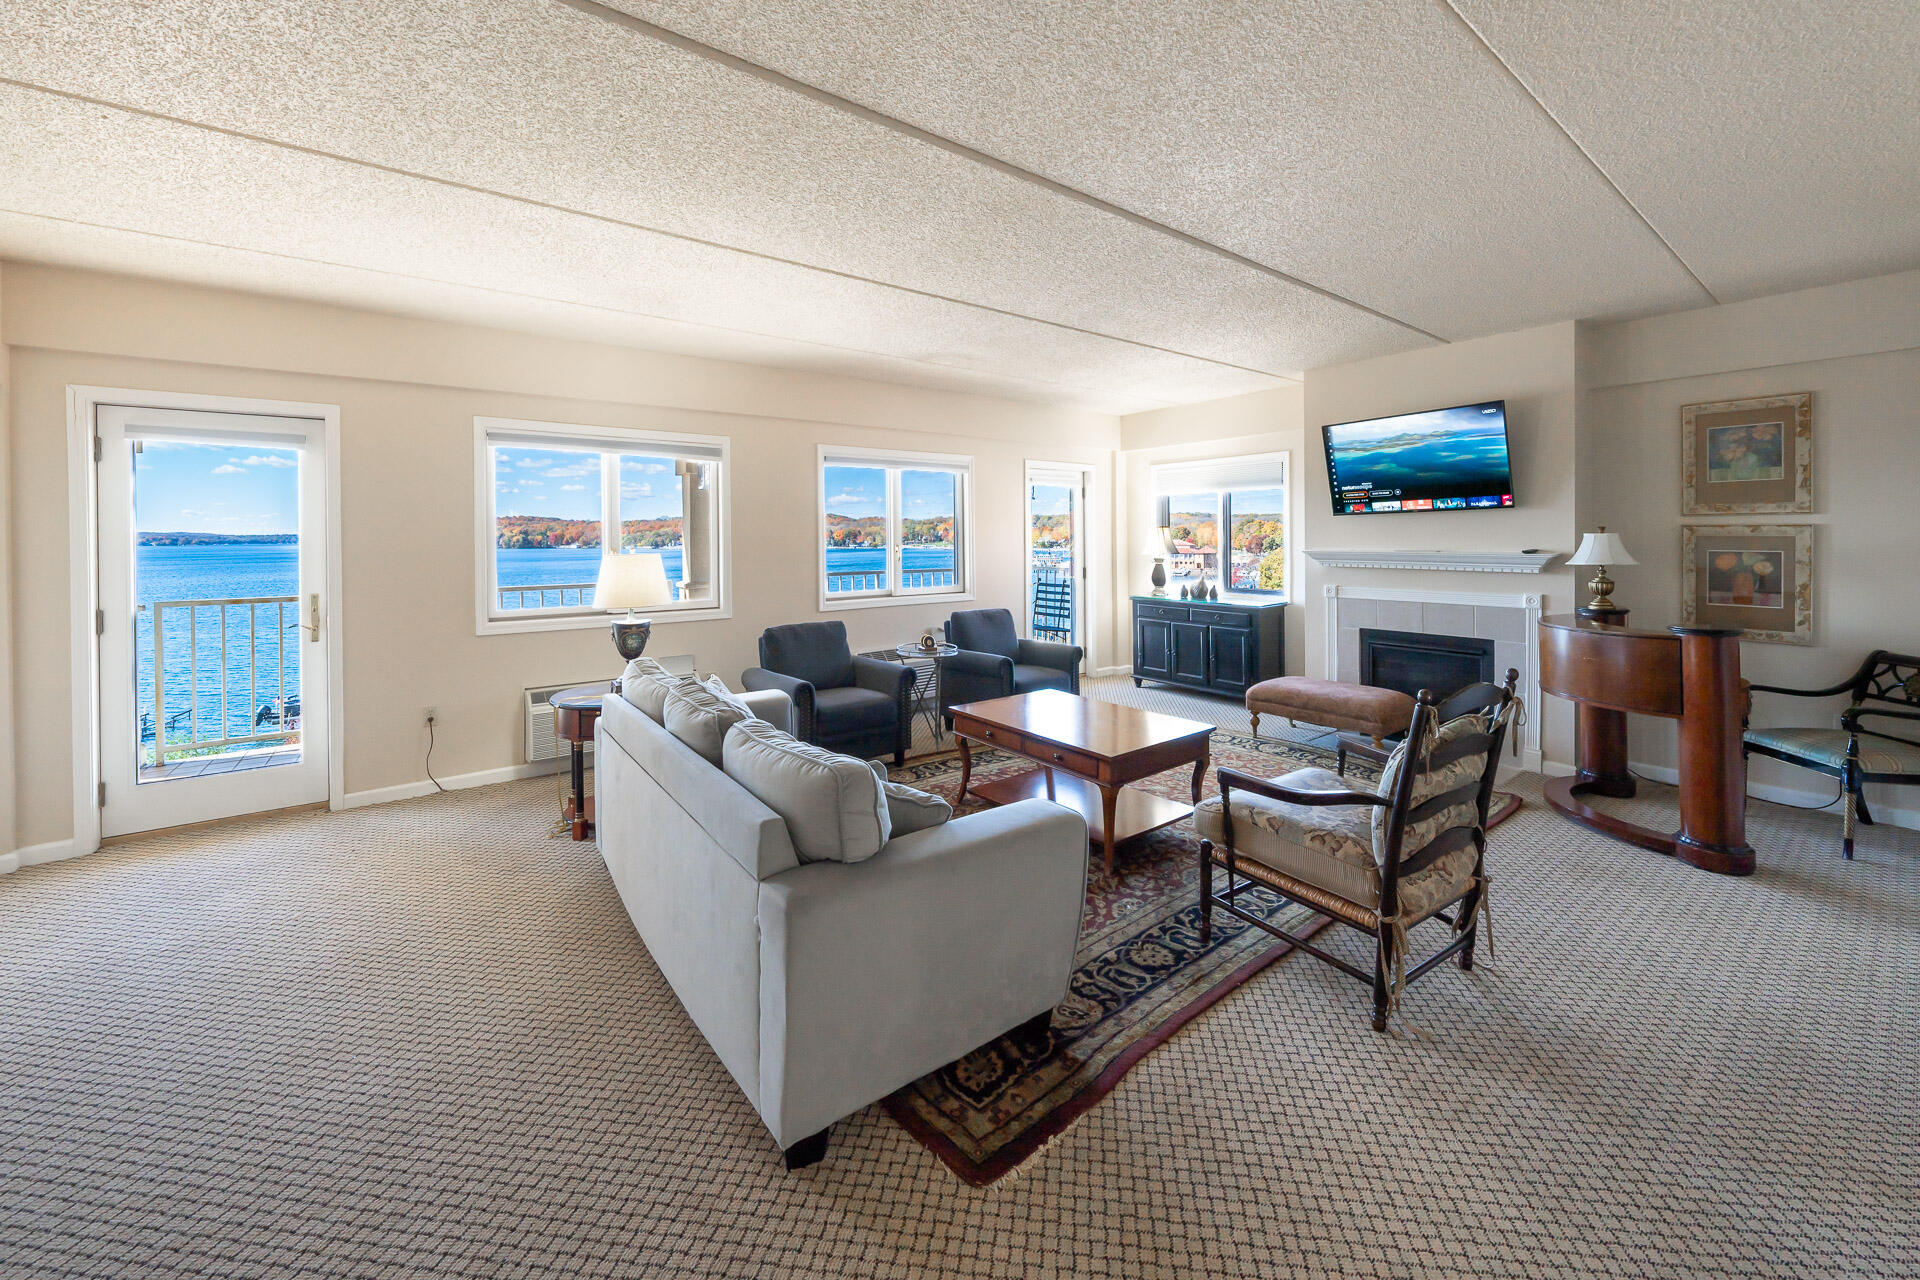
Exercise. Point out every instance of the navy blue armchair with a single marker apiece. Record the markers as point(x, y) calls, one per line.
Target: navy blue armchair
point(994, 662)
point(855, 705)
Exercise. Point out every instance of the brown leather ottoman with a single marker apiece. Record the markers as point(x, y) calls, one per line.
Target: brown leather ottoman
point(1359, 708)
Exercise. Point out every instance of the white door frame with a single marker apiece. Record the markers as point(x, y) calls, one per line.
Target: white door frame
point(1084, 543)
point(83, 546)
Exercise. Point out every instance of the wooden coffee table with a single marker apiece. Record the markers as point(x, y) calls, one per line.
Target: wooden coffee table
point(1088, 752)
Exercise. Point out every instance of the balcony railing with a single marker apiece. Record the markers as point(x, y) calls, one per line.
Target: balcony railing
point(256, 659)
point(552, 595)
point(844, 582)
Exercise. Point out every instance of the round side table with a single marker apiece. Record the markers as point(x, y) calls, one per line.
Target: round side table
point(576, 711)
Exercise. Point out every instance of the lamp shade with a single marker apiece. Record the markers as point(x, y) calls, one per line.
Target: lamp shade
point(633, 581)
point(1601, 548)
point(1163, 513)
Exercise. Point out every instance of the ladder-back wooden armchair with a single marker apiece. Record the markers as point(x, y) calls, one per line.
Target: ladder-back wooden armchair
point(1378, 861)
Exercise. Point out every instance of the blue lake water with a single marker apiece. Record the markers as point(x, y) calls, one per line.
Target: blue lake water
point(253, 658)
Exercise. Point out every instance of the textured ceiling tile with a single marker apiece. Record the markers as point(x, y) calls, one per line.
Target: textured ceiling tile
point(534, 99)
point(1371, 147)
point(177, 184)
point(1776, 145)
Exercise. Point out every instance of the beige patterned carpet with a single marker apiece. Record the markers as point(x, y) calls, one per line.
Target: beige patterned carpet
point(423, 1040)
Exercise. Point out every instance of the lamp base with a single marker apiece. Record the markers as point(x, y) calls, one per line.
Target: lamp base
point(1159, 577)
point(1608, 615)
point(630, 636)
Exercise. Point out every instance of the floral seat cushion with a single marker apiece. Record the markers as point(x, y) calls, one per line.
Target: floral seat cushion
point(1330, 848)
point(1340, 848)
point(1828, 748)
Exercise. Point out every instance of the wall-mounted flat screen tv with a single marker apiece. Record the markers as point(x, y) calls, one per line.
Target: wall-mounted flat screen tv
point(1441, 460)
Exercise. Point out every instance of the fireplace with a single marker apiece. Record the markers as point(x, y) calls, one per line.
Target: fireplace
point(1414, 660)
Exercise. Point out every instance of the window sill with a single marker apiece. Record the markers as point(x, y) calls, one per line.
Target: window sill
point(830, 604)
point(592, 621)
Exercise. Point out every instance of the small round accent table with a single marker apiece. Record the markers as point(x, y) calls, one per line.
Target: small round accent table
point(576, 711)
point(926, 696)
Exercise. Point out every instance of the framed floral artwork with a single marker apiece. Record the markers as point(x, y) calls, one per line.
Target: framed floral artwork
point(1747, 457)
point(1758, 577)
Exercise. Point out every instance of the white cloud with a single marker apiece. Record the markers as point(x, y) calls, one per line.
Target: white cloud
point(228, 469)
point(575, 470)
point(271, 460)
point(572, 488)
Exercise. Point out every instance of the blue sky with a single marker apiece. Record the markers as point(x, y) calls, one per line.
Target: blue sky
point(566, 484)
point(862, 491)
point(207, 488)
point(1051, 499)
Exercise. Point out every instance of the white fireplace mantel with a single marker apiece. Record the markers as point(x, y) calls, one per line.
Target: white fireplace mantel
point(1460, 613)
point(1468, 561)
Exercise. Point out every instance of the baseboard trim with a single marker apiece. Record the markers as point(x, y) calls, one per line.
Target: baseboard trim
point(52, 851)
point(458, 782)
point(1909, 819)
point(9, 862)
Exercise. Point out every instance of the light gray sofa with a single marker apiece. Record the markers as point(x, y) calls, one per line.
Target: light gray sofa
point(825, 986)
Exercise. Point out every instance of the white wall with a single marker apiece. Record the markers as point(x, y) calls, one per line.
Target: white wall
point(408, 391)
point(1856, 347)
point(8, 839)
point(1534, 372)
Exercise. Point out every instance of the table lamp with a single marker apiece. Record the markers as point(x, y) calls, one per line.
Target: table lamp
point(1600, 550)
point(631, 581)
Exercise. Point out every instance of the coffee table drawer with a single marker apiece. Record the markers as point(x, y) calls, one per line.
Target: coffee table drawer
point(1064, 758)
point(992, 735)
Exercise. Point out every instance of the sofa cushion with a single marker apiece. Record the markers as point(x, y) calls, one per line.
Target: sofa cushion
point(816, 652)
point(840, 711)
point(834, 806)
point(647, 687)
point(1027, 677)
point(908, 808)
point(700, 718)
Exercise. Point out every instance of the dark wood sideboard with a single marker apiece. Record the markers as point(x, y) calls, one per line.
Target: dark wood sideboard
point(1220, 646)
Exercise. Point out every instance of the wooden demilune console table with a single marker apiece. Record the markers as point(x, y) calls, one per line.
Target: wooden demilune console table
point(1689, 674)
point(1088, 751)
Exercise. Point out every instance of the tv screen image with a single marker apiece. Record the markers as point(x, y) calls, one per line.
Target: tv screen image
point(1440, 460)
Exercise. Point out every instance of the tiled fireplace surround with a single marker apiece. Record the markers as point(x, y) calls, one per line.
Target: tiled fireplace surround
point(1507, 620)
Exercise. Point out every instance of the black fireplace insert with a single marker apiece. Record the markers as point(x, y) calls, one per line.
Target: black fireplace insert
point(1413, 660)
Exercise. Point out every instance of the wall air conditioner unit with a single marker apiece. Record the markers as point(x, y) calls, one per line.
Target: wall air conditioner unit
point(541, 743)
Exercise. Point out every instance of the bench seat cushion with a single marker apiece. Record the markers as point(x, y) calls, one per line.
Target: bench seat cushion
point(1362, 708)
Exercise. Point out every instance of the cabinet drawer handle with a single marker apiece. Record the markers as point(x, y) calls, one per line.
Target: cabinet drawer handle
point(1058, 756)
point(986, 733)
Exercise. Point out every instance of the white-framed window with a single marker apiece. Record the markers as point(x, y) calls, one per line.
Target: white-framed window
point(894, 527)
point(1227, 520)
point(552, 498)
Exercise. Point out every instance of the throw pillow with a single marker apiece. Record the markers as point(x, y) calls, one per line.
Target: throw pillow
point(833, 805)
point(700, 718)
point(908, 808)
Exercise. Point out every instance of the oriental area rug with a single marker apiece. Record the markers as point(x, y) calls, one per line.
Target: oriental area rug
point(1141, 974)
